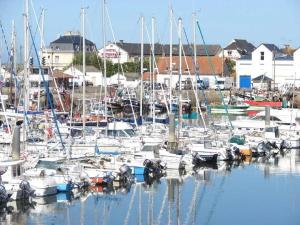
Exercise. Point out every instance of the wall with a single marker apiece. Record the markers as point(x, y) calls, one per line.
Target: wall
point(65, 59)
point(283, 70)
point(234, 54)
point(114, 53)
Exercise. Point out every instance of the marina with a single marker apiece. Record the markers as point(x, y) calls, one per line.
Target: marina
point(173, 131)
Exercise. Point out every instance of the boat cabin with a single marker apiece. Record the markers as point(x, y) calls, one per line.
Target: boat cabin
point(119, 129)
point(11, 169)
point(272, 132)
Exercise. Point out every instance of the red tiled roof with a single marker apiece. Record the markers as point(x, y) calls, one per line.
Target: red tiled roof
point(204, 63)
point(60, 74)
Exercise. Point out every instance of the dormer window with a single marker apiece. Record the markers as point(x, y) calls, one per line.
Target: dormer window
point(262, 55)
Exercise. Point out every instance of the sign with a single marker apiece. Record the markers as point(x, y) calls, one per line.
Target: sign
point(110, 53)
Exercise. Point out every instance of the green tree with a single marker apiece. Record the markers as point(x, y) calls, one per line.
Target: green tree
point(230, 65)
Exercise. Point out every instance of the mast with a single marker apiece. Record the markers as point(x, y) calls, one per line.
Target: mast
point(26, 68)
point(15, 60)
point(41, 56)
point(171, 57)
point(142, 67)
point(180, 75)
point(83, 72)
point(11, 62)
point(153, 72)
point(195, 47)
point(104, 59)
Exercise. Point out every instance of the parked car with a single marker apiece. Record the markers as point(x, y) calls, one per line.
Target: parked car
point(88, 83)
point(70, 85)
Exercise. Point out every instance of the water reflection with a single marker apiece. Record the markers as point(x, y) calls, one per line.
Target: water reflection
point(210, 194)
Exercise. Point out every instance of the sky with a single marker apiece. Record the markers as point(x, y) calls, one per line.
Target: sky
point(258, 21)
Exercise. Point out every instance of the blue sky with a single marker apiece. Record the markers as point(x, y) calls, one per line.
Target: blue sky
point(269, 21)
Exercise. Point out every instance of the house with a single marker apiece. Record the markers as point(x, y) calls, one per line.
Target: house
point(208, 67)
point(93, 75)
point(268, 60)
point(262, 82)
point(238, 48)
point(61, 52)
point(122, 52)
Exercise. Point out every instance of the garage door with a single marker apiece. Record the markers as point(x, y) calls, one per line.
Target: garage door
point(245, 81)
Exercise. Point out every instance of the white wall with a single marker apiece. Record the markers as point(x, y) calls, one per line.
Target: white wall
point(65, 58)
point(164, 78)
point(259, 66)
point(234, 54)
point(114, 53)
point(283, 70)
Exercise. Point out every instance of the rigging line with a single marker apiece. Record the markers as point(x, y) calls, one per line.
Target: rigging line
point(213, 70)
point(4, 37)
point(155, 64)
point(193, 86)
point(122, 69)
point(46, 51)
point(197, 78)
point(47, 92)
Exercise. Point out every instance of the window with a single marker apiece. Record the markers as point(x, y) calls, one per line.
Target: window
point(229, 53)
point(262, 56)
point(56, 59)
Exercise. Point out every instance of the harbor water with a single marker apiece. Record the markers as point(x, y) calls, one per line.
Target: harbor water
point(262, 191)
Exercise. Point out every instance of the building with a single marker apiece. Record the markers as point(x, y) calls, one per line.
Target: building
point(122, 52)
point(238, 48)
point(93, 75)
point(269, 61)
point(61, 52)
point(208, 67)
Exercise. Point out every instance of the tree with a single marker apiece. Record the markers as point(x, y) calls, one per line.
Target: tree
point(92, 59)
point(230, 65)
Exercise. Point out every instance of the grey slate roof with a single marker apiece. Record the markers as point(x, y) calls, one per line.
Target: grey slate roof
point(71, 43)
point(262, 78)
point(242, 46)
point(284, 58)
point(134, 49)
point(272, 47)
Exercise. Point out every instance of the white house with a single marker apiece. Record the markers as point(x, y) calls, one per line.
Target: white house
point(269, 61)
point(238, 48)
point(93, 75)
point(114, 53)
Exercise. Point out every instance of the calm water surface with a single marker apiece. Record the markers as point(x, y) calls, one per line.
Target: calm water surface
point(261, 192)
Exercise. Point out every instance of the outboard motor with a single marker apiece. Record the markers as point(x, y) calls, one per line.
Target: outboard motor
point(4, 197)
point(153, 168)
point(283, 145)
point(229, 154)
point(125, 174)
point(197, 159)
point(26, 189)
point(108, 179)
point(237, 153)
point(262, 149)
